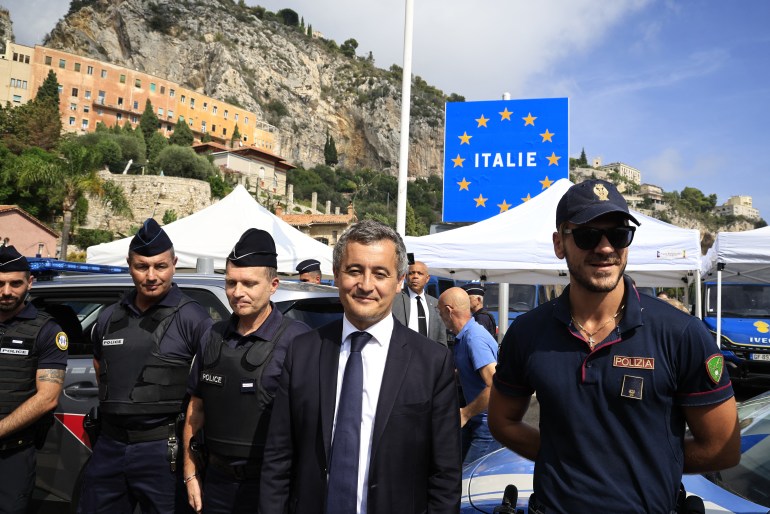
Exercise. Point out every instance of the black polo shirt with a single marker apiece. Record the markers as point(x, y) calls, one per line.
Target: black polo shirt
point(611, 420)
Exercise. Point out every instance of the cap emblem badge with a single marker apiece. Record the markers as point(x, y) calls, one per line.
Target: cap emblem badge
point(601, 192)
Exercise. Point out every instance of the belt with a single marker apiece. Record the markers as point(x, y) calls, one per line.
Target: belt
point(127, 436)
point(245, 471)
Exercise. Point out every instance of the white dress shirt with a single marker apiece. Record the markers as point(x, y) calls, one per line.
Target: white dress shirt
point(373, 356)
point(413, 321)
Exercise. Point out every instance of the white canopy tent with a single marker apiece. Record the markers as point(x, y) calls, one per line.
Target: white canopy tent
point(213, 231)
point(740, 257)
point(516, 247)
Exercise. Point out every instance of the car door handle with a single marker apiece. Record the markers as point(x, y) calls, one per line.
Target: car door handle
point(82, 390)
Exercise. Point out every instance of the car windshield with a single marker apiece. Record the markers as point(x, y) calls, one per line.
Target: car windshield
point(750, 478)
point(739, 301)
point(521, 298)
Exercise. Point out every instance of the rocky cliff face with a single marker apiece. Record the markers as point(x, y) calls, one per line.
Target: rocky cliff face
point(6, 27)
point(239, 54)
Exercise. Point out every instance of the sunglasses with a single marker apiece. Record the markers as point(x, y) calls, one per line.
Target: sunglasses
point(587, 238)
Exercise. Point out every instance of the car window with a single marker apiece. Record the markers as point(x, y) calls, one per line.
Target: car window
point(314, 312)
point(208, 301)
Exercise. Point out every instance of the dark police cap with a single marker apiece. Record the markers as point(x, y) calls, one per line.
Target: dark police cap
point(255, 248)
point(11, 260)
point(150, 240)
point(308, 265)
point(474, 289)
point(590, 199)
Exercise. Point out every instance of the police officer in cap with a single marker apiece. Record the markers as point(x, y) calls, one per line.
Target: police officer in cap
point(33, 357)
point(309, 271)
point(234, 380)
point(480, 314)
point(143, 348)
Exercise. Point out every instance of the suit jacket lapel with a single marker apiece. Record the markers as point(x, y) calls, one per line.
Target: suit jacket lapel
point(399, 355)
point(331, 341)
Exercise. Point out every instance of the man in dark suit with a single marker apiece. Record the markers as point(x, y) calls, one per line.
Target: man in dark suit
point(416, 309)
point(365, 418)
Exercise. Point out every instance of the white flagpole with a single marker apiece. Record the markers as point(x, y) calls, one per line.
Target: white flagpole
point(406, 96)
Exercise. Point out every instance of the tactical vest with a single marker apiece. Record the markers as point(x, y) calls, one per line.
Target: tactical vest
point(18, 362)
point(134, 378)
point(231, 388)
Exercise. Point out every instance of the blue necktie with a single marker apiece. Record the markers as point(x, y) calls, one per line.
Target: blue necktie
point(343, 469)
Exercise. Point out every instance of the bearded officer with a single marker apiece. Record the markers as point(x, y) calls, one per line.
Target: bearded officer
point(309, 271)
point(143, 348)
point(33, 357)
point(233, 381)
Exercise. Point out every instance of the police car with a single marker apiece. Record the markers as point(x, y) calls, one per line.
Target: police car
point(76, 301)
point(740, 490)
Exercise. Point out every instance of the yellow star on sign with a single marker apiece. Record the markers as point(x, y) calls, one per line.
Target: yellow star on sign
point(465, 139)
point(464, 185)
point(481, 201)
point(529, 119)
point(458, 161)
point(547, 136)
point(528, 198)
point(505, 115)
point(482, 121)
point(553, 159)
point(546, 183)
point(503, 206)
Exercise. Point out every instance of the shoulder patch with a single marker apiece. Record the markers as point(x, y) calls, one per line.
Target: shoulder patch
point(62, 342)
point(714, 367)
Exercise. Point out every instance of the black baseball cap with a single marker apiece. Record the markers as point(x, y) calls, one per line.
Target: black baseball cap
point(590, 199)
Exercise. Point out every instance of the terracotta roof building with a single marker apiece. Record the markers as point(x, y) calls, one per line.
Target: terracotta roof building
point(28, 234)
point(326, 228)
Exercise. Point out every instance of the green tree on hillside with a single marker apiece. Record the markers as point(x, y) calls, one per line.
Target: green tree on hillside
point(73, 173)
point(149, 124)
point(348, 48)
point(182, 135)
point(236, 135)
point(330, 151)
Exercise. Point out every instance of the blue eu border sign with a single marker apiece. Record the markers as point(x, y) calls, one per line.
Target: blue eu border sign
point(498, 154)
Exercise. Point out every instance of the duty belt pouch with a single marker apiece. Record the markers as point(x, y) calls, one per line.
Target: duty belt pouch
point(173, 446)
point(92, 425)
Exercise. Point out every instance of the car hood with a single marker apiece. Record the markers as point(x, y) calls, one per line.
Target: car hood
point(485, 480)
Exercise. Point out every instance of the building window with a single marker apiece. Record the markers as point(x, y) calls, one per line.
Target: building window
point(190, 122)
point(236, 116)
point(122, 78)
point(86, 108)
point(224, 131)
point(87, 94)
point(192, 103)
point(77, 66)
point(334, 236)
point(214, 109)
point(245, 120)
point(225, 113)
point(89, 70)
point(138, 83)
point(203, 127)
point(104, 74)
point(160, 111)
point(73, 107)
point(74, 91)
point(48, 60)
point(72, 121)
point(119, 116)
point(170, 114)
point(152, 87)
point(13, 82)
point(136, 105)
point(205, 106)
point(15, 56)
point(16, 99)
point(134, 119)
point(171, 93)
point(213, 128)
point(163, 90)
point(84, 124)
point(61, 89)
point(100, 98)
point(62, 63)
point(182, 99)
point(120, 101)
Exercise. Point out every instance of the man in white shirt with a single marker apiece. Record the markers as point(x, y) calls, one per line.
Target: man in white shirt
point(418, 310)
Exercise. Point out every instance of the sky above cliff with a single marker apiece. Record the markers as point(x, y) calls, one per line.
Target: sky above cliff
point(679, 90)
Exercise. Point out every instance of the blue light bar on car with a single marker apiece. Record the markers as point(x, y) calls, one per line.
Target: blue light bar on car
point(38, 264)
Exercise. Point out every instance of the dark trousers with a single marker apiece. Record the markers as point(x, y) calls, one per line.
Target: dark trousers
point(223, 494)
point(17, 479)
point(121, 475)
